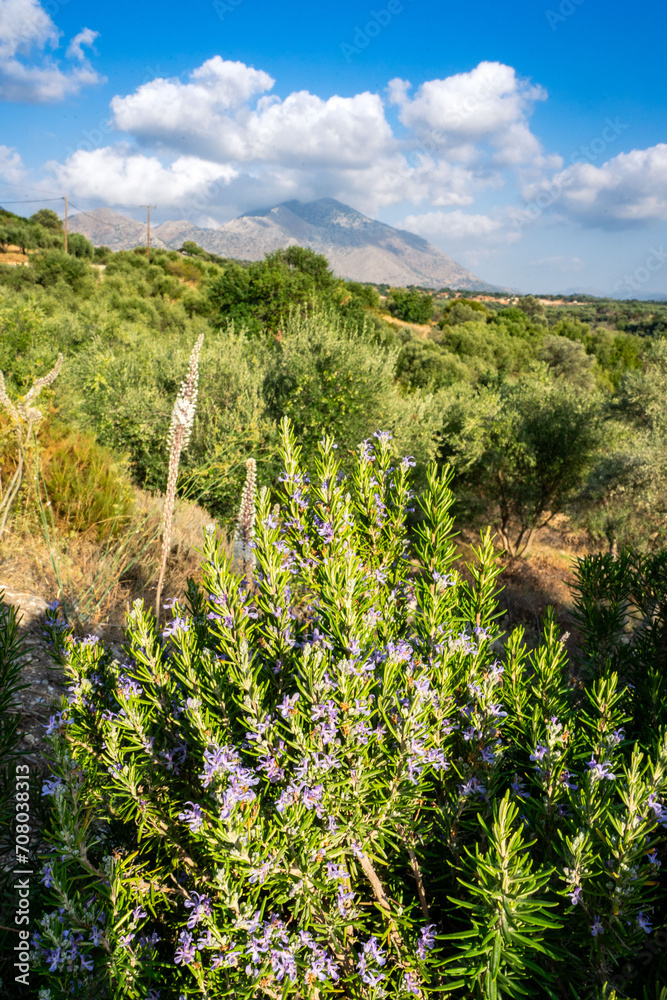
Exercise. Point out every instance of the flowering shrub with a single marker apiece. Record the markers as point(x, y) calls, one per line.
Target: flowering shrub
point(329, 775)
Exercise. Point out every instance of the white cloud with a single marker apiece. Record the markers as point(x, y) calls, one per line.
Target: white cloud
point(75, 47)
point(467, 133)
point(24, 24)
point(474, 234)
point(26, 27)
point(562, 264)
point(116, 176)
point(179, 114)
point(11, 165)
point(628, 190)
point(305, 146)
point(490, 104)
point(451, 225)
point(210, 116)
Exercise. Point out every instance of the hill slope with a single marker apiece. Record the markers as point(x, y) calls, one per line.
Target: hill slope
point(356, 246)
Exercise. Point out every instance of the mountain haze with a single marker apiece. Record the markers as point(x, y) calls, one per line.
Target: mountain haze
point(356, 246)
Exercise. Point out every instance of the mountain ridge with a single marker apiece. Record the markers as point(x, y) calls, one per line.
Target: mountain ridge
point(356, 246)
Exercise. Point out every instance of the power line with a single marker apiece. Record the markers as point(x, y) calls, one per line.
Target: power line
point(25, 187)
point(81, 212)
point(30, 201)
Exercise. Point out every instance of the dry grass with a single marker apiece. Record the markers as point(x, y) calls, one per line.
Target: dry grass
point(98, 581)
point(418, 329)
point(542, 579)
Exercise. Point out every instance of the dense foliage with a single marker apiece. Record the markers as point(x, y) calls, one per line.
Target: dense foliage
point(330, 775)
point(285, 337)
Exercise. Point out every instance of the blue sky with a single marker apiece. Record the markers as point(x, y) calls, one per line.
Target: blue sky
point(529, 140)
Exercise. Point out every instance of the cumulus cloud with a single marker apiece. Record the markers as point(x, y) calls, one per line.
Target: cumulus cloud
point(27, 72)
point(455, 225)
point(11, 165)
point(177, 113)
point(117, 176)
point(210, 116)
point(628, 190)
point(488, 105)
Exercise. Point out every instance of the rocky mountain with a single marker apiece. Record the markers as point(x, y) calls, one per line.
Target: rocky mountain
point(356, 246)
point(104, 227)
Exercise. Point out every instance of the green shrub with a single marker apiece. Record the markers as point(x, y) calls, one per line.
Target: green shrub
point(86, 483)
point(330, 773)
point(525, 448)
point(79, 246)
point(53, 266)
point(410, 305)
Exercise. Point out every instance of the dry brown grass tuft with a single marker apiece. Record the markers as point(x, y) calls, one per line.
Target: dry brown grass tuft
point(97, 581)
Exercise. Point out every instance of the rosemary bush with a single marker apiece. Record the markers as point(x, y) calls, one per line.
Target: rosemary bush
point(329, 775)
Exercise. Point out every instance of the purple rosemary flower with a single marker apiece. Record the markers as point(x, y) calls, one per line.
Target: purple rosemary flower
point(575, 895)
point(539, 753)
point(659, 811)
point(344, 900)
point(654, 859)
point(186, 951)
point(373, 950)
point(336, 872)
point(193, 817)
point(260, 874)
point(240, 787)
point(373, 978)
point(56, 721)
point(128, 687)
point(426, 940)
point(272, 768)
point(415, 769)
point(176, 626)
point(283, 964)
point(600, 771)
point(287, 797)
point(411, 983)
point(200, 906)
point(597, 927)
point(473, 786)
point(565, 779)
point(288, 706)
point(312, 798)
point(219, 759)
point(644, 922)
point(51, 786)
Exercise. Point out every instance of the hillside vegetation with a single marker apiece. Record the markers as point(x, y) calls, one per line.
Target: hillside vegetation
point(329, 765)
point(540, 409)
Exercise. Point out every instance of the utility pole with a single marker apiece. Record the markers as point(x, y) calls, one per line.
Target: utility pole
point(65, 223)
